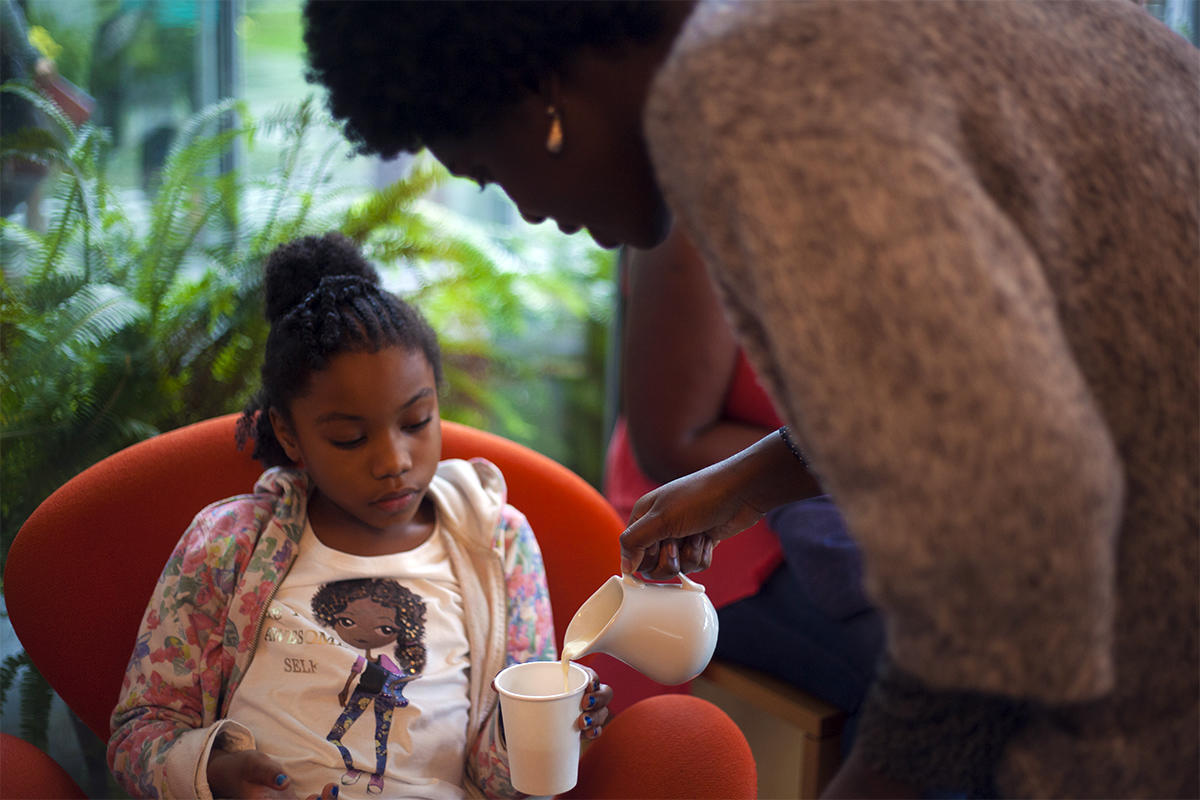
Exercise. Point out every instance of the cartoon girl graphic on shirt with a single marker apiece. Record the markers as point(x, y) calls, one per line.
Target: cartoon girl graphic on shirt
point(369, 614)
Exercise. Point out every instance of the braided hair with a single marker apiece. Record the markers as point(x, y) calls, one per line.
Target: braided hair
point(399, 74)
point(323, 298)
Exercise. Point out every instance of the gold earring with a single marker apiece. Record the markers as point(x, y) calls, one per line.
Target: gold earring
point(554, 140)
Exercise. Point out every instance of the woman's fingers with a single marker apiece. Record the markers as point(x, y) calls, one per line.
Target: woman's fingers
point(675, 556)
point(660, 522)
point(695, 553)
point(668, 559)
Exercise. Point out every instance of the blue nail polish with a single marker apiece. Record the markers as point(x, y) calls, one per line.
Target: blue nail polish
point(591, 701)
point(335, 790)
point(280, 779)
point(587, 721)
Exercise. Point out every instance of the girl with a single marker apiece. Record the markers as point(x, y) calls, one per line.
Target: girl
point(237, 686)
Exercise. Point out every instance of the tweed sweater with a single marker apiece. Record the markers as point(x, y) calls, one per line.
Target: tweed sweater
point(201, 627)
point(960, 245)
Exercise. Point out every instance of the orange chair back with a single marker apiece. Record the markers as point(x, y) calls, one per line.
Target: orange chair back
point(83, 566)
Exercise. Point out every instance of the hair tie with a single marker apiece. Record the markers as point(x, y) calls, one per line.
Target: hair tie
point(342, 287)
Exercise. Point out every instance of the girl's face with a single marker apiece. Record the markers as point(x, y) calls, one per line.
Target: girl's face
point(369, 435)
point(602, 180)
point(366, 625)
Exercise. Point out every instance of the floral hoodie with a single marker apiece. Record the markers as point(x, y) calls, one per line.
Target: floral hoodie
point(199, 633)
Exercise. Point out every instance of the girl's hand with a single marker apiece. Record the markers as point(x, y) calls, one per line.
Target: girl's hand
point(253, 774)
point(594, 706)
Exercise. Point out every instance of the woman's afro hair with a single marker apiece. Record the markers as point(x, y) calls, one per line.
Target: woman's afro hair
point(400, 74)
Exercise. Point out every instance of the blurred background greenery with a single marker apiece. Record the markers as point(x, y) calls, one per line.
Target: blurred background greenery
point(132, 248)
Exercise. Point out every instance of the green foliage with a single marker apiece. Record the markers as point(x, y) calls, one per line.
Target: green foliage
point(17, 670)
point(121, 320)
point(559, 349)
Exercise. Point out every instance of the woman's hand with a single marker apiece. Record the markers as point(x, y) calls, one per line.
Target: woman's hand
point(674, 528)
point(253, 774)
point(594, 706)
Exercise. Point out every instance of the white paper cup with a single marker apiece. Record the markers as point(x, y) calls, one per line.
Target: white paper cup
point(539, 724)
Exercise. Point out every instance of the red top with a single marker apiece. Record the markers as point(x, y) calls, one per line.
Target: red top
point(741, 564)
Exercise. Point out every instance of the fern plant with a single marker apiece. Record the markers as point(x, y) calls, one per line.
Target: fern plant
point(114, 329)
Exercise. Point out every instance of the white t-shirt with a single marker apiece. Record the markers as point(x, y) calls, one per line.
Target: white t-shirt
point(289, 698)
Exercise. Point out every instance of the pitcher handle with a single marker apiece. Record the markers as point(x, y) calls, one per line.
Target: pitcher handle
point(630, 579)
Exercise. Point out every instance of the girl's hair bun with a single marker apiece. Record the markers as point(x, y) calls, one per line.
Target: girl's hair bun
point(296, 268)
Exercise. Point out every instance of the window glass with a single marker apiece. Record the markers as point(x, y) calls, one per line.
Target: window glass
point(1180, 15)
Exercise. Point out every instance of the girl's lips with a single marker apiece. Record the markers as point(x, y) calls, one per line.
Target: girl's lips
point(394, 501)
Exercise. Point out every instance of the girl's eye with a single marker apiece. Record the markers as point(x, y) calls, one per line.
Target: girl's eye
point(345, 622)
point(416, 426)
point(348, 444)
point(387, 630)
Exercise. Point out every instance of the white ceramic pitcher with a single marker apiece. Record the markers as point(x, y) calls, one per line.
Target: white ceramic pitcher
point(666, 631)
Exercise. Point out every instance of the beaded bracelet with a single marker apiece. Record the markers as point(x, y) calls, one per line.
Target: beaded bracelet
point(786, 435)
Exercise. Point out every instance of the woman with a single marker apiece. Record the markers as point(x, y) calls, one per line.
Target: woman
point(958, 243)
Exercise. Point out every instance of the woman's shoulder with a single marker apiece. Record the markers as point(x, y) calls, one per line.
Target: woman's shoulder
point(718, 33)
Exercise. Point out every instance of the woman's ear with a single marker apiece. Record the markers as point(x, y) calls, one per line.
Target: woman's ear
point(286, 436)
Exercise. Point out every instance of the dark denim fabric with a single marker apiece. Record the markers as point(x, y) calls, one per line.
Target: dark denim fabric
point(810, 624)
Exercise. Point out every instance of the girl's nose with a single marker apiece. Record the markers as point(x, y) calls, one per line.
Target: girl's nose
point(392, 459)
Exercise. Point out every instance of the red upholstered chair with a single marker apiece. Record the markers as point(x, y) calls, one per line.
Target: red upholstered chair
point(26, 773)
point(82, 568)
